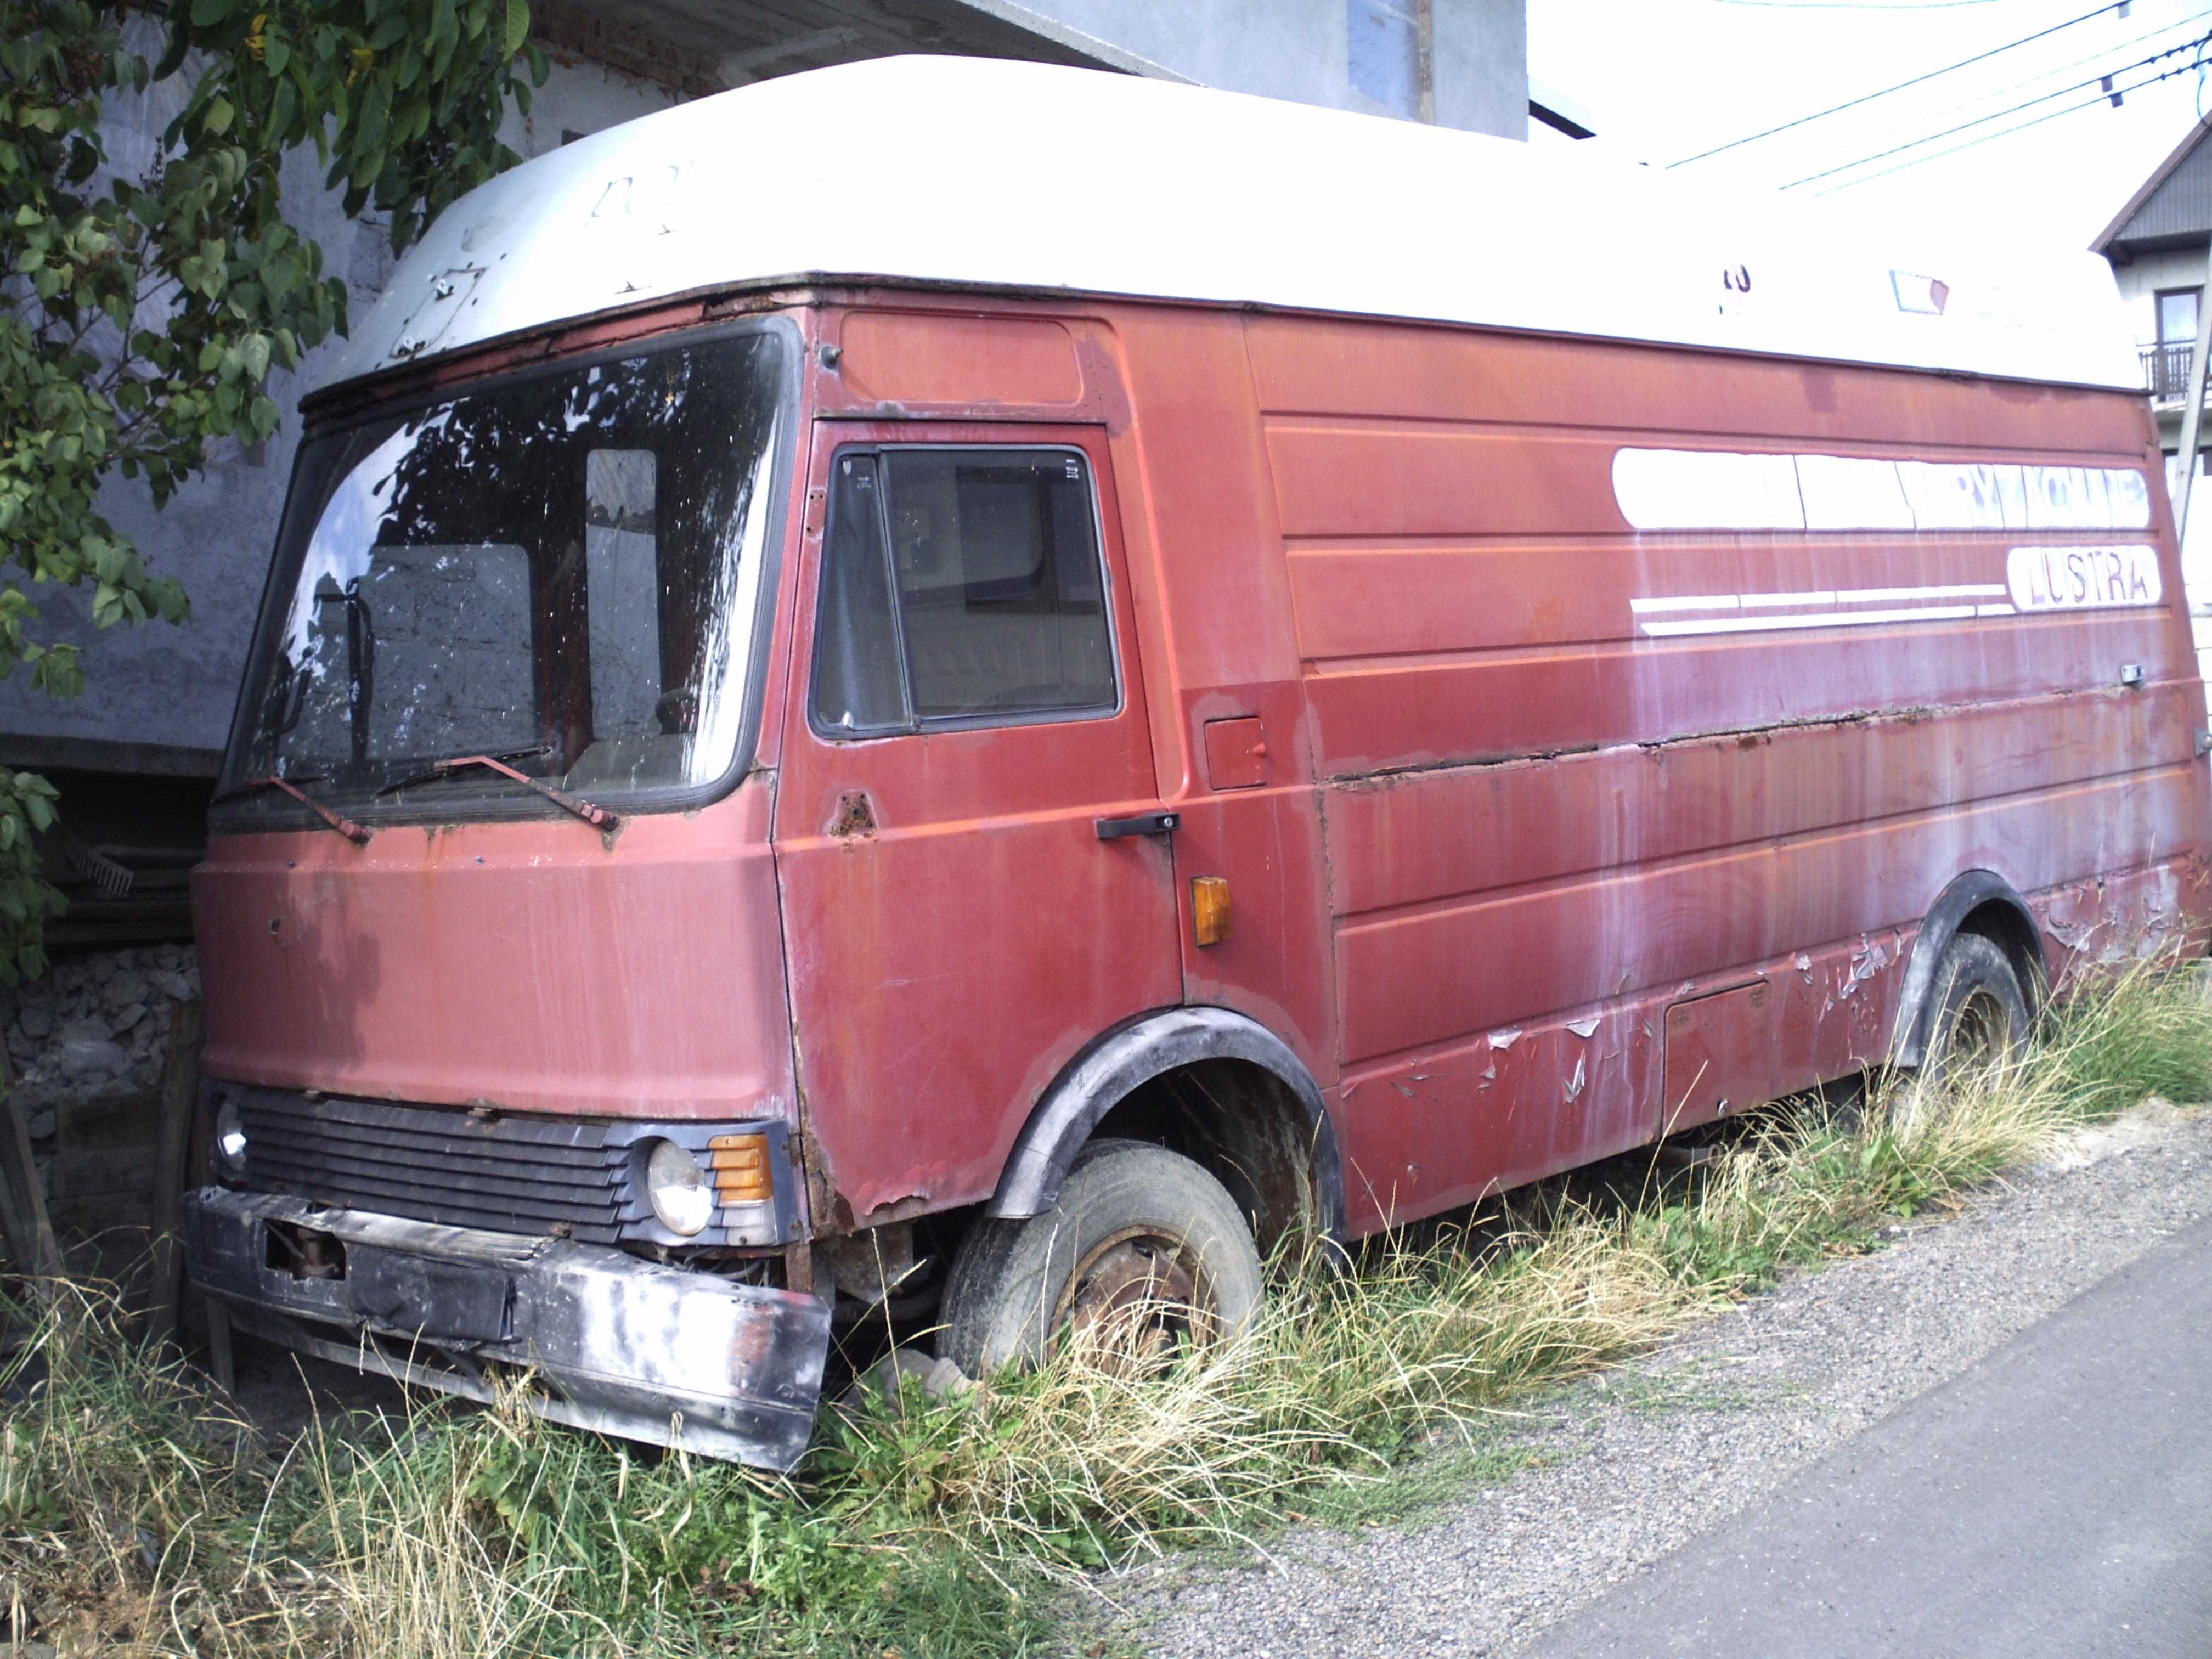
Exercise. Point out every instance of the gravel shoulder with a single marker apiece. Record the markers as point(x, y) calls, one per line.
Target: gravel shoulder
point(1636, 1464)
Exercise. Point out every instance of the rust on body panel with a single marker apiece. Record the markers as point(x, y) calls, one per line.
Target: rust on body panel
point(532, 966)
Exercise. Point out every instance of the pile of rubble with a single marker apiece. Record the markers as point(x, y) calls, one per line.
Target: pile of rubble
point(96, 1024)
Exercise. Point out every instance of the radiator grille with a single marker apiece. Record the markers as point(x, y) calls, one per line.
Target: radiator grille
point(509, 1174)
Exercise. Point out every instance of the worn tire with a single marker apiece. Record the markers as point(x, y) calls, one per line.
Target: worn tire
point(1011, 1281)
point(1981, 1016)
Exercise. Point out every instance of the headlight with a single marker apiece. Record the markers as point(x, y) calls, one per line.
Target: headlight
point(229, 1137)
point(677, 1187)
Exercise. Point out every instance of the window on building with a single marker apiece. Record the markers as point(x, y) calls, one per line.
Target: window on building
point(960, 585)
point(2177, 316)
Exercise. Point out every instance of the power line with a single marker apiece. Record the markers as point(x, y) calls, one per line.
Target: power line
point(1983, 102)
point(2102, 98)
point(2188, 20)
point(1856, 5)
point(1917, 80)
point(1998, 115)
point(2002, 133)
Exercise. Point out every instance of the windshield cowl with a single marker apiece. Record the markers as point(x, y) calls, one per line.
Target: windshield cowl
point(560, 572)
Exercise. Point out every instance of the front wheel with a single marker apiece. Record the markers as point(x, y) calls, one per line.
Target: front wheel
point(1143, 1253)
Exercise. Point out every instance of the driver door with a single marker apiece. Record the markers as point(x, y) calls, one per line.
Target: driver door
point(965, 905)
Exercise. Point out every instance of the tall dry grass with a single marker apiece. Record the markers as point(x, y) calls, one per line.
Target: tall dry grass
point(135, 1508)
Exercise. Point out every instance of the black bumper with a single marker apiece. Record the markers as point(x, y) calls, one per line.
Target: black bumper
point(624, 1346)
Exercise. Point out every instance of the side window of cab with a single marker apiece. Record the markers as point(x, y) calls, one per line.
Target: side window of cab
point(960, 587)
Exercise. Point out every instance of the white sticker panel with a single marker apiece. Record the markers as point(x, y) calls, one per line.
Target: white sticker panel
point(2082, 578)
point(1708, 489)
point(1844, 492)
point(1721, 489)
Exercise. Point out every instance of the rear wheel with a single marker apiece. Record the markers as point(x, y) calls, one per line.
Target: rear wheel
point(1142, 1254)
point(1981, 1020)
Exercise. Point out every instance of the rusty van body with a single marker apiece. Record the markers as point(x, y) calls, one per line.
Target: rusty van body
point(743, 780)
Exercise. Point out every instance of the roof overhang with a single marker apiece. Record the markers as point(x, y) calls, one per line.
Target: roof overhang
point(703, 46)
point(2110, 234)
point(1554, 109)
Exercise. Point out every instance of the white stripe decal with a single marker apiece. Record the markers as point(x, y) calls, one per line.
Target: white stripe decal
point(1748, 600)
point(1694, 602)
point(1800, 604)
point(1969, 590)
point(1808, 619)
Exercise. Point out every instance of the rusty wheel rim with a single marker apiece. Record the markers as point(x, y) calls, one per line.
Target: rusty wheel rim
point(1136, 1298)
point(1979, 1037)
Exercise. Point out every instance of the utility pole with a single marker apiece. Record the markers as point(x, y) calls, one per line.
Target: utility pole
point(2192, 413)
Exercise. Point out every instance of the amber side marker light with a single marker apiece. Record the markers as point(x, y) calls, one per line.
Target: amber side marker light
point(739, 1164)
point(1209, 908)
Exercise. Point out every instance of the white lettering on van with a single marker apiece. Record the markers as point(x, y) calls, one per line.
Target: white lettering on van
point(2082, 578)
point(1728, 490)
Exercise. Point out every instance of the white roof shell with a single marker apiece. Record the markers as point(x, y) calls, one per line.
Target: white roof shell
point(995, 174)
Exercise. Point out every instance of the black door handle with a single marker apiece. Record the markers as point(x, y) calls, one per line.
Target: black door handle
point(1144, 824)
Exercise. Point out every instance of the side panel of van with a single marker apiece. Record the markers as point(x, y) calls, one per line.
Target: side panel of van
point(1580, 863)
point(1539, 839)
point(1236, 758)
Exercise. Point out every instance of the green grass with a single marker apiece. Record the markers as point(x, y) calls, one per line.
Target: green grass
point(134, 1511)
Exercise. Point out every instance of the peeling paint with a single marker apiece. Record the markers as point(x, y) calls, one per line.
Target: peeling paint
point(1583, 1028)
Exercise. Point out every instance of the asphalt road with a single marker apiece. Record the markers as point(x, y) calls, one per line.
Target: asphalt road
point(2056, 1498)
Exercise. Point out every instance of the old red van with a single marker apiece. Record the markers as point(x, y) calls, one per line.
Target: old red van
point(963, 685)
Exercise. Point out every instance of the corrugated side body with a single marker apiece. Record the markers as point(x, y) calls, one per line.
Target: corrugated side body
point(1575, 773)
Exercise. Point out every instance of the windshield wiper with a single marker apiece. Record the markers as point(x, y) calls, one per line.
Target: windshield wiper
point(337, 820)
point(598, 817)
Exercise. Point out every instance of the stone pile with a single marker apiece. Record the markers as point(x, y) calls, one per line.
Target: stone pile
point(96, 1024)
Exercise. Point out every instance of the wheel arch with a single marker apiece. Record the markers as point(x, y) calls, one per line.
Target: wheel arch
point(1978, 901)
point(1172, 1044)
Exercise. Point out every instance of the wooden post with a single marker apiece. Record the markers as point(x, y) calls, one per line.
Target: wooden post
point(220, 1366)
point(172, 1141)
point(29, 1235)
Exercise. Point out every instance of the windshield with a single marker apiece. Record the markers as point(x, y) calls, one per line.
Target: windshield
point(561, 571)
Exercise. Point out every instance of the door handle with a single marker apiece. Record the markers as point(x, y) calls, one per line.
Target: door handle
point(1144, 824)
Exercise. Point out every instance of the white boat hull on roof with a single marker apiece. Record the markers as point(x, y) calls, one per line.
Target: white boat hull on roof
point(1000, 174)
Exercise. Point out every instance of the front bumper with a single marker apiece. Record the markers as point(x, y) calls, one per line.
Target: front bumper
point(621, 1345)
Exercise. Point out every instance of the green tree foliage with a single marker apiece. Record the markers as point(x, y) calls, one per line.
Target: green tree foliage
point(143, 315)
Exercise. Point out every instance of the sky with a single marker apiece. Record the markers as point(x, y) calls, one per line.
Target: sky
point(1665, 79)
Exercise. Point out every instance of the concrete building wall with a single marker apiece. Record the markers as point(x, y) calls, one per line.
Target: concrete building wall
point(2141, 277)
point(171, 690)
point(1344, 54)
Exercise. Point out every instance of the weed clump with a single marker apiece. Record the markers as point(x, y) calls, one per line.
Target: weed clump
point(137, 1511)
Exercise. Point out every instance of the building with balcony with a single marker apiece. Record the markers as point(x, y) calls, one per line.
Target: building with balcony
point(2159, 243)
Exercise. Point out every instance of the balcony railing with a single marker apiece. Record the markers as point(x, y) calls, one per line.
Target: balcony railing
point(2165, 368)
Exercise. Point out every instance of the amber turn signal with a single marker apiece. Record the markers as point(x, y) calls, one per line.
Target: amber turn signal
point(740, 1165)
point(1209, 908)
